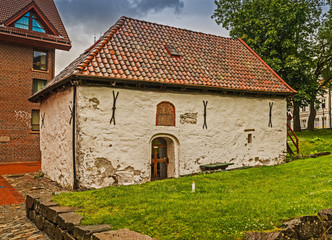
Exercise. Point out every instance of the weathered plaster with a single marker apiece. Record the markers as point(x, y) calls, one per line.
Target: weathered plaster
point(56, 138)
point(120, 154)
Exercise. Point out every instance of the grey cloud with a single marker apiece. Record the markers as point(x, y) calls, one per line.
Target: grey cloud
point(103, 13)
point(157, 5)
point(86, 19)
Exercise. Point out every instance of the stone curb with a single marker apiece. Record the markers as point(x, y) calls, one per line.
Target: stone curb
point(303, 228)
point(61, 223)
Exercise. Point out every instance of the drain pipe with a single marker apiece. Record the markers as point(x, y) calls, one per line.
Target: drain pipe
point(75, 185)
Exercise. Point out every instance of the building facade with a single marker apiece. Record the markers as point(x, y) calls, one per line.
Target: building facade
point(323, 112)
point(149, 102)
point(30, 31)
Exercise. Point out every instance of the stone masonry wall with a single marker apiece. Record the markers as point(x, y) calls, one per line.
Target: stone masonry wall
point(61, 223)
point(17, 142)
point(56, 137)
point(121, 154)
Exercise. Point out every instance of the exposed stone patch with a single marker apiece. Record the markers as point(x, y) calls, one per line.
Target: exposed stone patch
point(95, 102)
point(190, 118)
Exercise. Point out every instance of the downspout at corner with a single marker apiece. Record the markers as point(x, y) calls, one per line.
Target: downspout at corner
point(75, 184)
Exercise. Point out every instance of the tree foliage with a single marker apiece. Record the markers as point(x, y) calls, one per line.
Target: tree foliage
point(283, 32)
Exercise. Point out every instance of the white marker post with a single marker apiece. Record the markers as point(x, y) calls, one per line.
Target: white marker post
point(193, 187)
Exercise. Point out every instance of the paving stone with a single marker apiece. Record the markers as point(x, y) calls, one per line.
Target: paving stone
point(84, 232)
point(122, 234)
point(68, 220)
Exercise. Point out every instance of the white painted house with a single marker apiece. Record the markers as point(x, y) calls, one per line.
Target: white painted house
point(151, 101)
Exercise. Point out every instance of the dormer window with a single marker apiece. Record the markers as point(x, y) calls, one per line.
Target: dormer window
point(30, 22)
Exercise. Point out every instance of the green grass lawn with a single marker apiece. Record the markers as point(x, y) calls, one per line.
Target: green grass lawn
point(311, 142)
point(224, 206)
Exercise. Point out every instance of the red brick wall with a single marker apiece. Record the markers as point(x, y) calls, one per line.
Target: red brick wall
point(17, 142)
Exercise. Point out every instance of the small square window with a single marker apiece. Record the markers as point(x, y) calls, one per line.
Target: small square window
point(40, 60)
point(38, 84)
point(35, 120)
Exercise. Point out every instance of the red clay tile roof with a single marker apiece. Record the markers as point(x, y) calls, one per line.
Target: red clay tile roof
point(134, 50)
point(9, 9)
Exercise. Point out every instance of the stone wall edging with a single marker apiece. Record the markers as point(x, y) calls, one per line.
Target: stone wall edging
point(303, 228)
point(62, 223)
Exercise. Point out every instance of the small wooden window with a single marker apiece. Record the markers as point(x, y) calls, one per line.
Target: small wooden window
point(35, 120)
point(165, 114)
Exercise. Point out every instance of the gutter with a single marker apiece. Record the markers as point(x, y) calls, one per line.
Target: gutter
point(75, 184)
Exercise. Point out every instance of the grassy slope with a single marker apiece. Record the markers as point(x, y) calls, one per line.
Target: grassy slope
point(225, 205)
point(314, 141)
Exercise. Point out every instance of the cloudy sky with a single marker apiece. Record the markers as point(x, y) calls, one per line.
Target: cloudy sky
point(86, 19)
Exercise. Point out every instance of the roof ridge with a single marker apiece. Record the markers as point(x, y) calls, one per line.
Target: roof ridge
point(183, 29)
point(100, 43)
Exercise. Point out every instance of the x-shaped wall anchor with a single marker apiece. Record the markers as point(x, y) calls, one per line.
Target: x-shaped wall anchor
point(71, 114)
point(115, 96)
point(270, 115)
point(205, 104)
point(42, 120)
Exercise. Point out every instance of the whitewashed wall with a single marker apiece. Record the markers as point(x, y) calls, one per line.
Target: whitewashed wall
point(121, 153)
point(56, 138)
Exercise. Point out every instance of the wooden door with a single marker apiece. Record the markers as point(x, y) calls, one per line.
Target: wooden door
point(159, 160)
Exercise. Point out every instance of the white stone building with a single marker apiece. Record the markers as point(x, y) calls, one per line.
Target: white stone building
point(323, 114)
point(151, 101)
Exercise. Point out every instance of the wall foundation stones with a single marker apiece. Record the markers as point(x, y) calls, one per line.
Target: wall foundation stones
point(61, 223)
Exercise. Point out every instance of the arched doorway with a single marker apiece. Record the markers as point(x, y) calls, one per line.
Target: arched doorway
point(159, 159)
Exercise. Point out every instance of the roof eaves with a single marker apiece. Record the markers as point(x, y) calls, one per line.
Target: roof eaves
point(104, 78)
point(274, 73)
point(44, 91)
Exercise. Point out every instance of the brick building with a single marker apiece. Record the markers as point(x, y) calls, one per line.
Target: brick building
point(30, 31)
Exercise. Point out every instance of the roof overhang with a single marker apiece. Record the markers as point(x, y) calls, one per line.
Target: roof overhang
point(118, 82)
point(8, 34)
